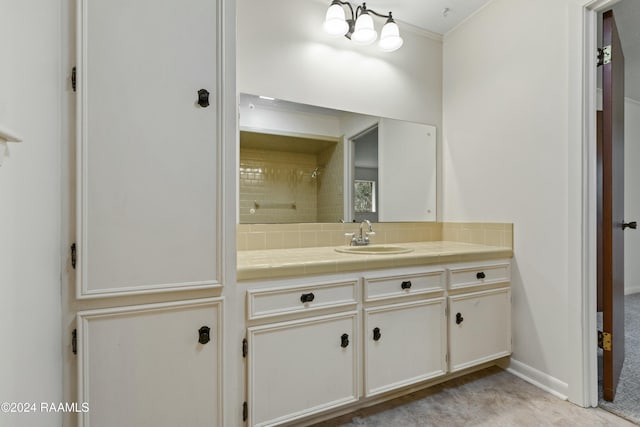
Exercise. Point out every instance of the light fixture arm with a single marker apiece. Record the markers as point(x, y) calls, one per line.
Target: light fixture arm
point(364, 8)
point(346, 3)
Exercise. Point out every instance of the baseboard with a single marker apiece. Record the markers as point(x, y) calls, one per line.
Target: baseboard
point(538, 378)
point(632, 290)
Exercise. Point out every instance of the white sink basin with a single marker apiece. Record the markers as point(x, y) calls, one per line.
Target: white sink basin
point(374, 250)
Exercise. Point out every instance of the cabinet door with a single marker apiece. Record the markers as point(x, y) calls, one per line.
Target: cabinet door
point(479, 327)
point(404, 344)
point(301, 367)
point(145, 365)
point(147, 152)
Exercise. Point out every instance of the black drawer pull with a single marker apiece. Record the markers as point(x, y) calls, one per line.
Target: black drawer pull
point(344, 340)
point(376, 334)
point(204, 336)
point(406, 284)
point(459, 318)
point(307, 297)
point(480, 275)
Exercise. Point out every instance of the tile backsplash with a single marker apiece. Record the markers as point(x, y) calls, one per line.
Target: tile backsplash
point(287, 236)
point(485, 233)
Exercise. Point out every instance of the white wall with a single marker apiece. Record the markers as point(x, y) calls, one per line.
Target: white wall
point(30, 314)
point(505, 158)
point(631, 194)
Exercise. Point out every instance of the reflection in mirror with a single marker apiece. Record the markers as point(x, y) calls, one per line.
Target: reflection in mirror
point(365, 173)
point(303, 163)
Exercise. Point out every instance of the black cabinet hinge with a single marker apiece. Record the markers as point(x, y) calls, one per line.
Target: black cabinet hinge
point(245, 347)
point(73, 256)
point(74, 341)
point(245, 411)
point(73, 78)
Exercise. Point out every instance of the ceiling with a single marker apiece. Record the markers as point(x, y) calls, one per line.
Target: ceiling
point(627, 15)
point(429, 14)
point(275, 142)
point(425, 14)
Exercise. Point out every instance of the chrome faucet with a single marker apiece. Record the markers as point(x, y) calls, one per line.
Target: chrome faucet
point(363, 238)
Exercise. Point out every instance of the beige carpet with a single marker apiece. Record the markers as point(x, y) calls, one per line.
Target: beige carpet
point(627, 400)
point(489, 398)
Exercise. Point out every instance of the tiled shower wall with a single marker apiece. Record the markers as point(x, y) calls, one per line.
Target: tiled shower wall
point(278, 187)
point(273, 182)
point(331, 184)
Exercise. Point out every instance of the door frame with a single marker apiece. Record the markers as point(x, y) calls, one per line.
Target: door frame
point(583, 342)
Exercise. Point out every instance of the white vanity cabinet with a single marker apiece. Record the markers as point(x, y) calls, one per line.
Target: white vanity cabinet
point(479, 314)
point(151, 365)
point(302, 362)
point(313, 348)
point(405, 339)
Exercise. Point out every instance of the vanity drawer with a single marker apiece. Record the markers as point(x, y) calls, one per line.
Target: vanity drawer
point(264, 303)
point(377, 288)
point(479, 274)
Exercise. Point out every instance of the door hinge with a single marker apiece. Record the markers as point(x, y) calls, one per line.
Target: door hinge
point(245, 347)
point(74, 341)
point(446, 357)
point(73, 78)
point(604, 55)
point(245, 411)
point(73, 256)
point(604, 340)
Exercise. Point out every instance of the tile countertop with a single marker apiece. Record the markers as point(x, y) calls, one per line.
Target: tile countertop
point(272, 263)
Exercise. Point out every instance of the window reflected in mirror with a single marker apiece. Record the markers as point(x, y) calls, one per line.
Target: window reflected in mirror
point(364, 196)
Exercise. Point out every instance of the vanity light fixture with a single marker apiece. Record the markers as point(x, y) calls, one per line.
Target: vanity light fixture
point(359, 28)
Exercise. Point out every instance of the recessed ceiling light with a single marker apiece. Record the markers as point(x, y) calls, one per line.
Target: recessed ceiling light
point(268, 98)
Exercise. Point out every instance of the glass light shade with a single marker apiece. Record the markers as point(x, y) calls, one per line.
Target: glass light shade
point(335, 23)
point(390, 39)
point(364, 32)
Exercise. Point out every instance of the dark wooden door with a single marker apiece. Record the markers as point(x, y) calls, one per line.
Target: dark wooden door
point(612, 206)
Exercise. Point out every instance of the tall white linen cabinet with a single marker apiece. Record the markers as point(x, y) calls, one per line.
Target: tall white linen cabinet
point(151, 101)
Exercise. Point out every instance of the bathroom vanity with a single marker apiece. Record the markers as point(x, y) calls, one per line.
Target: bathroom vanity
point(364, 328)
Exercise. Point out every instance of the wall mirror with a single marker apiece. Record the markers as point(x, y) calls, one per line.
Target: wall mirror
point(304, 163)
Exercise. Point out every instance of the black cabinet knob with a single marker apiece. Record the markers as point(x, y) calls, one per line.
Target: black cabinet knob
point(480, 275)
point(459, 318)
point(406, 284)
point(204, 336)
point(344, 340)
point(307, 297)
point(633, 225)
point(376, 334)
point(203, 98)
